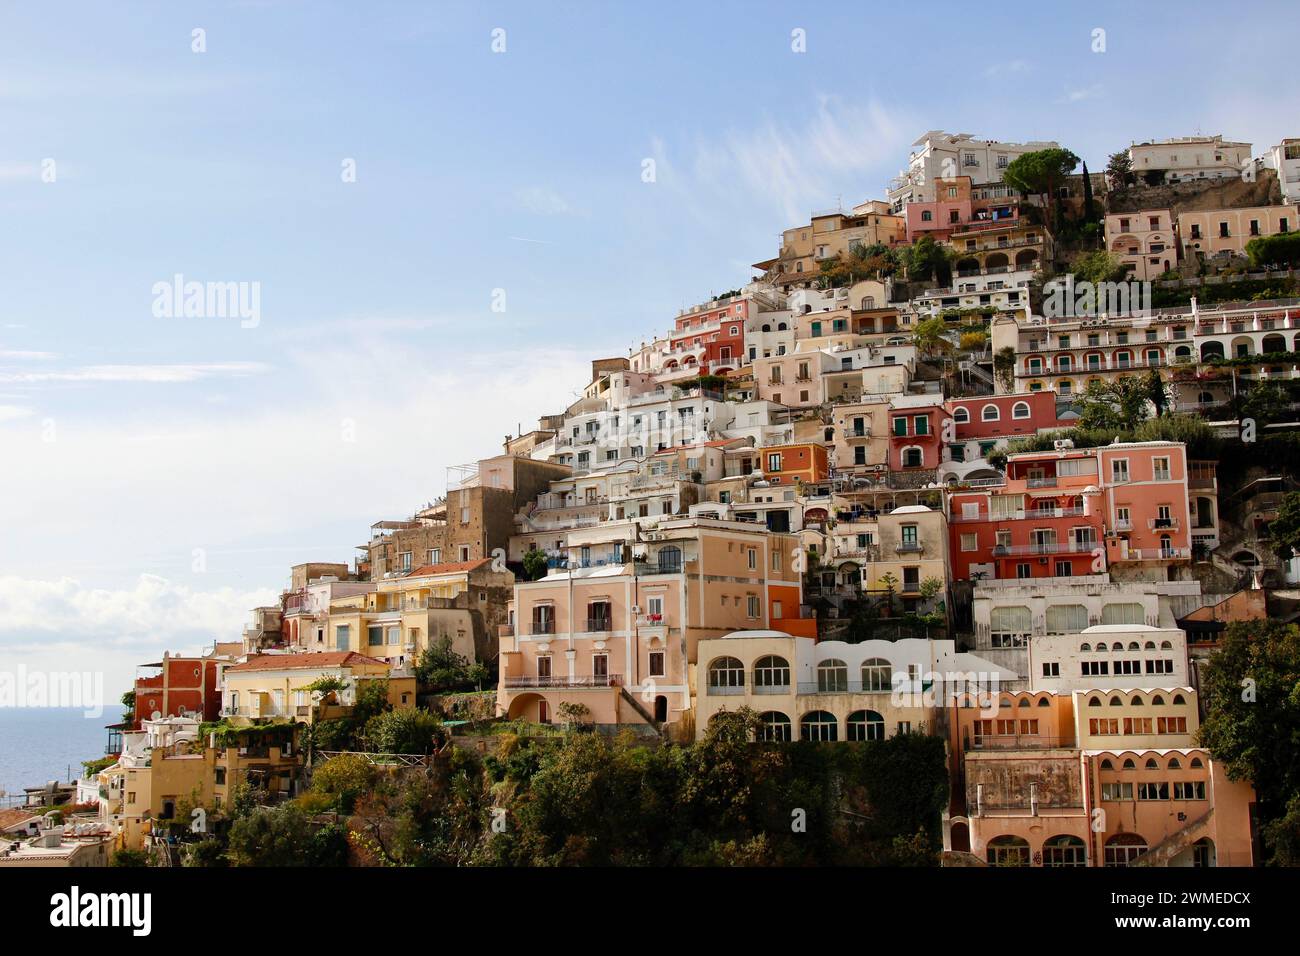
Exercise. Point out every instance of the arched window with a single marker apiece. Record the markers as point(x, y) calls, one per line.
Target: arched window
point(1136, 701)
point(1157, 701)
point(1178, 699)
point(1123, 848)
point(1174, 764)
point(1117, 646)
point(991, 413)
point(913, 457)
point(1085, 648)
point(866, 725)
point(1064, 850)
point(1107, 765)
point(775, 727)
point(1166, 645)
point(1195, 762)
point(961, 415)
point(1129, 764)
point(1151, 764)
point(819, 725)
point(1133, 646)
point(832, 676)
point(1066, 618)
point(1044, 702)
point(726, 676)
point(1149, 646)
point(1116, 702)
point(1008, 851)
point(1094, 701)
point(771, 675)
point(1127, 613)
point(1020, 410)
point(877, 674)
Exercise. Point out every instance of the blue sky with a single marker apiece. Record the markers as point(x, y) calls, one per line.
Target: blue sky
point(131, 442)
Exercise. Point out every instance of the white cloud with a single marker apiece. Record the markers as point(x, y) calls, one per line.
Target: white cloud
point(157, 374)
point(544, 201)
point(64, 625)
point(794, 168)
point(11, 412)
point(1079, 95)
point(1010, 66)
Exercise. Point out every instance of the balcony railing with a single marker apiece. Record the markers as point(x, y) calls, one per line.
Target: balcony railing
point(909, 547)
point(589, 680)
point(1041, 482)
point(1056, 547)
point(1156, 554)
point(541, 627)
point(597, 625)
point(1162, 523)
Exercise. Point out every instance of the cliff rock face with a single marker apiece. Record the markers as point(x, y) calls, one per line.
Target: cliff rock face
point(1193, 196)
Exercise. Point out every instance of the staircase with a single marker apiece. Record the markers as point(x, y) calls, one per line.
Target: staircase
point(640, 709)
point(975, 372)
point(1171, 846)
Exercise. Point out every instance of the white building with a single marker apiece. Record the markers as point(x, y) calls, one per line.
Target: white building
point(1108, 656)
point(1284, 159)
point(1185, 158)
point(938, 154)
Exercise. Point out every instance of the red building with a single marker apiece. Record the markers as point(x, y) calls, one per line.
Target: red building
point(988, 417)
point(187, 684)
point(1046, 520)
point(916, 431)
point(712, 337)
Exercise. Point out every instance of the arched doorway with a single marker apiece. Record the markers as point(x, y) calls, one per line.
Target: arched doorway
point(661, 708)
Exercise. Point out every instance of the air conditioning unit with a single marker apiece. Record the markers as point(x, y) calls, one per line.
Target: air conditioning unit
point(1063, 444)
point(636, 609)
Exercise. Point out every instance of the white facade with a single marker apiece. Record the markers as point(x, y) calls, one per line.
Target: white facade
point(1109, 657)
point(1284, 159)
point(1190, 157)
point(938, 154)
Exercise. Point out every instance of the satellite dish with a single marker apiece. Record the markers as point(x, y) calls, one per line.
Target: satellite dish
point(156, 715)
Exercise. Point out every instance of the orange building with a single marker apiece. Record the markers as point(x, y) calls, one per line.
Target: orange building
point(790, 464)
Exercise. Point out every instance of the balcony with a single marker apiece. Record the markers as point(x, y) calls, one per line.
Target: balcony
point(599, 625)
point(541, 627)
point(725, 690)
point(574, 681)
point(1161, 524)
point(1041, 482)
point(1155, 554)
point(909, 547)
point(1045, 547)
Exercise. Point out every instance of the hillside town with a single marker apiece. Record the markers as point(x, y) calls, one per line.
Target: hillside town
point(998, 460)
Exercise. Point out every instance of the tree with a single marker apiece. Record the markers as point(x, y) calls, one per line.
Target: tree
point(128, 702)
point(973, 341)
point(440, 668)
point(1284, 530)
point(1096, 267)
point(1157, 391)
point(926, 259)
point(283, 836)
point(1119, 170)
point(408, 731)
point(1118, 406)
point(129, 858)
point(1265, 402)
point(1004, 367)
point(535, 564)
point(931, 335)
point(343, 779)
point(1089, 212)
point(1252, 712)
point(1041, 172)
point(1280, 249)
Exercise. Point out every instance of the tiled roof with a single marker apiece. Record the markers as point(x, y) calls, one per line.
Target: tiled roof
point(15, 816)
point(280, 662)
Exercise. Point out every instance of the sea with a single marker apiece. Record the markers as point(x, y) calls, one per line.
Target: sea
point(39, 744)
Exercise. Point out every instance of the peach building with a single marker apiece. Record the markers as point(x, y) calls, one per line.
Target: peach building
point(1143, 241)
point(616, 629)
point(1217, 231)
point(1098, 778)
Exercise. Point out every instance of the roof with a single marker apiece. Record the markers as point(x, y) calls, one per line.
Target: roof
point(12, 819)
point(451, 567)
point(282, 662)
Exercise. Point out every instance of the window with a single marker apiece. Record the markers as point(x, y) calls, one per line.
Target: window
point(877, 675)
point(922, 425)
point(726, 676)
point(819, 725)
point(1008, 851)
point(1160, 469)
point(1103, 726)
point(1020, 410)
point(970, 542)
point(375, 635)
point(1171, 725)
point(752, 610)
point(990, 413)
point(1117, 791)
point(771, 675)
point(865, 725)
point(961, 415)
point(775, 727)
point(1119, 470)
point(1065, 850)
point(1189, 790)
point(1052, 669)
point(1154, 790)
point(1094, 668)
point(1123, 848)
point(832, 676)
point(657, 665)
